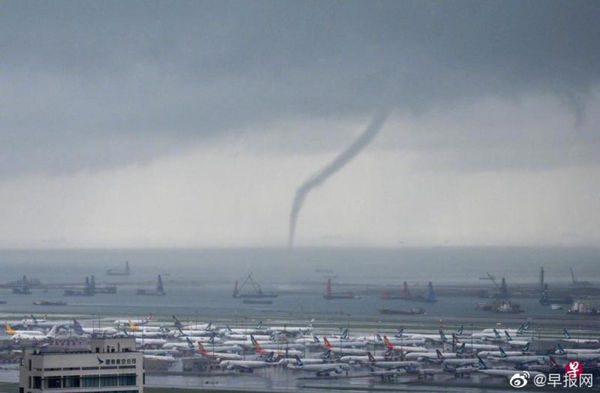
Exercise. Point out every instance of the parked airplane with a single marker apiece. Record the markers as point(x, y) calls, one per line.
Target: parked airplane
point(287, 352)
point(341, 351)
point(322, 370)
point(80, 330)
point(562, 351)
point(390, 365)
point(570, 339)
point(520, 359)
point(590, 356)
point(502, 372)
point(405, 349)
point(248, 365)
point(127, 322)
point(218, 355)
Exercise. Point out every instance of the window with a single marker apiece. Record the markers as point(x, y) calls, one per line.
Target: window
point(127, 380)
point(109, 380)
point(71, 381)
point(54, 382)
point(37, 382)
point(90, 381)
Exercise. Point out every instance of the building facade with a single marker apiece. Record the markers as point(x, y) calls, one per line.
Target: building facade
point(113, 365)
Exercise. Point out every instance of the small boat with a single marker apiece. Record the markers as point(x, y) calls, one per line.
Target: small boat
point(48, 303)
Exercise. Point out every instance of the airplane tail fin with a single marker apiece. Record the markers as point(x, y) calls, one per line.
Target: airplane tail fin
point(560, 349)
point(443, 336)
point(201, 348)
point(566, 333)
point(461, 349)
point(345, 334)
point(553, 363)
point(371, 357)
point(327, 354)
point(270, 357)
point(508, 336)
point(496, 333)
point(482, 365)
point(189, 343)
point(439, 354)
point(177, 323)
point(387, 343)
point(502, 353)
point(298, 361)
point(9, 330)
point(77, 327)
point(326, 343)
point(316, 339)
point(526, 347)
point(52, 332)
point(460, 330)
point(259, 325)
point(257, 346)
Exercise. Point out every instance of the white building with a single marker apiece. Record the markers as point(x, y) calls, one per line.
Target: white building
point(112, 366)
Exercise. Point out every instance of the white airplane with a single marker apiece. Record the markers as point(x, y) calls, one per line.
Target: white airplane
point(460, 362)
point(343, 350)
point(523, 351)
point(126, 322)
point(159, 358)
point(520, 359)
point(81, 331)
point(436, 338)
point(218, 355)
point(563, 351)
point(570, 339)
point(246, 337)
point(287, 352)
point(20, 334)
point(391, 365)
point(192, 326)
point(406, 349)
point(436, 356)
point(583, 356)
point(502, 372)
point(256, 330)
point(322, 370)
point(248, 365)
point(30, 334)
point(361, 359)
point(37, 322)
point(291, 330)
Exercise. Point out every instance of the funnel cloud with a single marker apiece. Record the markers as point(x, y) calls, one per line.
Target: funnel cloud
point(330, 169)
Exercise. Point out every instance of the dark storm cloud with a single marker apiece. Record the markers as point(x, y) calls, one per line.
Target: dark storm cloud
point(98, 84)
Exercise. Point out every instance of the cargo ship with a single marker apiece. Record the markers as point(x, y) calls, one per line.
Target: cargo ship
point(116, 272)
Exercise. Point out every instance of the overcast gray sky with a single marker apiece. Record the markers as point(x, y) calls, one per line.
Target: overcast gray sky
point(133, 124)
